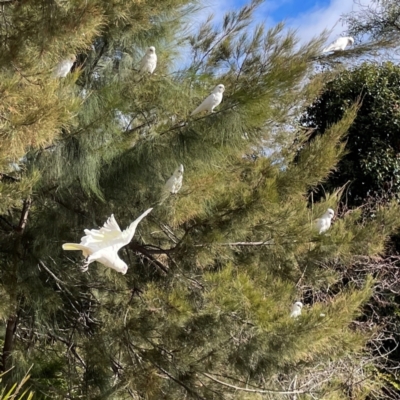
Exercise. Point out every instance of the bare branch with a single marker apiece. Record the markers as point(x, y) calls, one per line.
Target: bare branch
point(253, 390)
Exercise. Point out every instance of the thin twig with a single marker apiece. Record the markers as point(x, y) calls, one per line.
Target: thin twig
point(253, 390)
point(51, 273)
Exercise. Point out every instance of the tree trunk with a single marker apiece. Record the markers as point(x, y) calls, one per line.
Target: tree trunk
point(12, 321)
point(9, 340)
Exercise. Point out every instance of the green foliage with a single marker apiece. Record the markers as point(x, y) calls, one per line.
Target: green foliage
point(203, 311)
point(368, 175)
point(13, 393)
point(381, 21)
point(371, 163)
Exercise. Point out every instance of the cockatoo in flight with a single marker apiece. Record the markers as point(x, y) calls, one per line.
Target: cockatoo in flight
point(174, 184)
point(212, 101)
point(296, 309)
point(324, 223)
point(149, 61)
point(63, 67)
point(102, 245)
point(339, 44)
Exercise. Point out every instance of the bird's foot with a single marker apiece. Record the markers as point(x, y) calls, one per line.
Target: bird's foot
point(85, 266)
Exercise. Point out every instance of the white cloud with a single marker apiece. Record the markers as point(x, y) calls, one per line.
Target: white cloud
point(313, 22)
point(308, 24)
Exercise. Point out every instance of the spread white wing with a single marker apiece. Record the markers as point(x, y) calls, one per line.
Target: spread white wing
point(97, 239)
point(109, 236)
point(129, 232)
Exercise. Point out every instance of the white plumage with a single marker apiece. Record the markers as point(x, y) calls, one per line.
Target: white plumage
point(102, 245)
point(296, 309)
point(324, 223)
point(339, 44)
point(63, 67)
point(149, 61)
point(212, 101)
point(174, 184)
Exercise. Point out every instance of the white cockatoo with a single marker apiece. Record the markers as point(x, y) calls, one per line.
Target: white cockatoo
point(102, 245)
point(324, 223)
point(149, 61)
point(174, 184)
point(296, 309)
point(63, 67)
point(339, 44)
point(212, 101)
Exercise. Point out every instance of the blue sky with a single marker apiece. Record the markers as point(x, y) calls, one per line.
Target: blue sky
point(292, 8)
point(308, 17)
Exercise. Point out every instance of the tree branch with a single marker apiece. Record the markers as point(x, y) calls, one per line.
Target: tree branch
point(8, 177)
point(148, 254)
point(51, 273)
point(265, 243)
point(253, 390)
point(71, 347)
point(24, 216)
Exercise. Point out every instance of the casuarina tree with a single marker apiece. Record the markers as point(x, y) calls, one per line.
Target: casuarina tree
point(203, 311)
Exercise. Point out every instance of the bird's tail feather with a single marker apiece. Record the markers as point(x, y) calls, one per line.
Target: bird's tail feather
point(73, 246)
point(196, 111)
point(164, 195)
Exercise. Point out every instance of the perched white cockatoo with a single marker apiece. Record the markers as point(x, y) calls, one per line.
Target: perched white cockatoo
point(296, 309)
point(212, 101)
point(324, 223)
point(63, 67)
point(102, 245)
point(149, 61)
point(339, 44)
point(174, 184)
